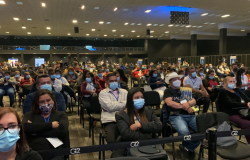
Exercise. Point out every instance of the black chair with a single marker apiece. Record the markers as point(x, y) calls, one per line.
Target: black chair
point(152, 98)
point(25, 91)
point(72, 95)
point(208, 120)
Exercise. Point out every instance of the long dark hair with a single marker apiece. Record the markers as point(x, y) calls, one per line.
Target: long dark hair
point(151, 73)
point(121, 72)
point(238, 77)
point(35, 104)
point(131, 109)
point(84, 74)
point(92, 76)
point(207, 75)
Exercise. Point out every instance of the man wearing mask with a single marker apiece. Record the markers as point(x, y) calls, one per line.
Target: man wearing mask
point(100, 78)
point(194, 82)
point(234, 69)
point(137, 73)
point(210, 67)
point(112, 99)
point(44, 82)
point(6, 86)
point(57, 84)
point(181, 114)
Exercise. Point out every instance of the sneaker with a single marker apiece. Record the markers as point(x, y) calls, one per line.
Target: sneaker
point(184, 153)
point(191, 155)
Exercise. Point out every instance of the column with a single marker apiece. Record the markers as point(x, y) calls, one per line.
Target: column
point(22, 59)
point(50, 59)
point(78, 57)
point(146, 45)
point(172, 48)
point(223, 41)
point(126, 55)
point(194, 45)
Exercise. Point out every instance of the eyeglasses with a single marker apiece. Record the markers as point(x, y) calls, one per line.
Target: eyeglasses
point(11, 129)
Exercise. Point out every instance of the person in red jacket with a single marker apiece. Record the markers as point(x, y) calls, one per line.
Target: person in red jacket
point(146, 71)
point(100, 78)
point(137, 74)
point(26, 80)
point(89, 88)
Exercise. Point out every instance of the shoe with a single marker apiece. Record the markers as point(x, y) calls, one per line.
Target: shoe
point(191, 155)
point(184, 153)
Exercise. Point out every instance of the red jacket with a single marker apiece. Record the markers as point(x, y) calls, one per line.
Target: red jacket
point(101, 81)
point(85, 92)
point(25, 81)
point(146, 71)
point(135, 73)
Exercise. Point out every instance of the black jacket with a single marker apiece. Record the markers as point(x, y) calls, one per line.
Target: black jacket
point(214, 94)
point(153, 125)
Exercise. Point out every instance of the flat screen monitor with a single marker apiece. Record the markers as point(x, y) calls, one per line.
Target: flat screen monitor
point(39, 61)
point(44, 47)
point(12, 61)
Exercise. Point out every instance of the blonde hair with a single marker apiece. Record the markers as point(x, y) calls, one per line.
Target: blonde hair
point(225, 81)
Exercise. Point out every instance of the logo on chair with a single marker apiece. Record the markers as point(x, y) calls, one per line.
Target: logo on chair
point(234, 133)
point(187, 138)
point(134, 144)
point(75, 151)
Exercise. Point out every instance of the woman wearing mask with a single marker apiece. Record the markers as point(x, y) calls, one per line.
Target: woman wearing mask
point(100, 78)
point(156, 83)
point(45, 121)
point(26, 80)
point(201, 73)
point(137, 122)
point(13, 145)
point(209, 83)
point(89, 88)
point(122, 75)
point(18, 77)
point(71, 76)
point(106, 72)
point(62, 79)
point(241, 80)
point(231, 100)
point(41, 71)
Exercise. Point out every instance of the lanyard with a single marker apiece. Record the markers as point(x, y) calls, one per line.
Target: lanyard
point(138, 119)
point(115, 96)
point(119, 86)
point(192, 80)
point(238, 94)
point(46, 119)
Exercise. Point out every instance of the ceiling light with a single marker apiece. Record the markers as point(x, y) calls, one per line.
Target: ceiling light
point(133, 31)
point(74, 21)
point(115, 35)
point(149, 24)
point(49, 33)
point(92, 29)
point(16, 19)
point(115, 9)
point(226, 15)
point(29, 19)
point(138, 36)
point(132, 24)
point(125, 23)
point(105, 35)
point(113, 30)
point(87, 34)
point(82, 7)
point(188, 26)
point(161, 25)
point(96, 7)
point(125, 9)
point(139, 24)
point(101, 22)
point(206, 23)
point(108, 22)
point(2, 2)
point(48, 28)
point(212, 23)
point(170, 25)
point(7, 32)
point(69, 34)
point(86, 21)
point(155, 25)
point(204, 14)
point(243, 30)
point(28, 32)
point(19, 3)
point(176, 25)
point(194, 26)
point(23, 27)
point(122, 35)
point(43, 4)
point(199, 26)
point(152, 31)
point(147, 11)
point(167, 32)
point(151, 36)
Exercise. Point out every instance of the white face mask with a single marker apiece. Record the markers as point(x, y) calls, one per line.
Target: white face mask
point(177, 83)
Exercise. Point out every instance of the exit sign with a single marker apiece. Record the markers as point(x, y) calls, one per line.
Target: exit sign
point(12, 57)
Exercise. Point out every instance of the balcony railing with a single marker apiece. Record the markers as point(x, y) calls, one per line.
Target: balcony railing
point(73, 48)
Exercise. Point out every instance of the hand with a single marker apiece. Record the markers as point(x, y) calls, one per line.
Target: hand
point(190, 110)
point(74, 81)
point(55, 124)
point(158, 82)
point(185, 105)
point(248, 104)
point(135, 126)
point(210, 88)
point(29, 121)
point(204, 94)
point(94, 94)
point(63, 84)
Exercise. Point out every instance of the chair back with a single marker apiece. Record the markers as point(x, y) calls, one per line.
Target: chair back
point(218, 108)
point(27, 89)
point(247, 93)
point(69, 91)
point(12, 74)
point(95, 105)
point(152, 98)
point(208, 120)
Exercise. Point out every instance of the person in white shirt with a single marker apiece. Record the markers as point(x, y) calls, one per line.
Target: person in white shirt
point(57, 84)
point(112, 99)
point(241, 80)
point(62, 79)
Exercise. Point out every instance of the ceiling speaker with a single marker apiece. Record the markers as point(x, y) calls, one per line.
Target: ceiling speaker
point(179, 17)
point(148, 32)
point(76, 30)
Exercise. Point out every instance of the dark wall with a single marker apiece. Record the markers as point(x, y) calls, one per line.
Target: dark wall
point(238, 45)
point(208, 47)
point(4, 57)
point(30, 58)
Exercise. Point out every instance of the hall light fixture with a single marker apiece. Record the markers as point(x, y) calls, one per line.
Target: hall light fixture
point(105, 35)
point(132, 24)
point(188, 26)
point(243, 30)
point(16, 19)
point(74, 21)
point(113, 30)
point(170, 25)
point(115, 9)
point(48, 28)
point(92, 29)
point(29, 19)
point(152, 31)
point(28, 32)
point(86, 21)
point(82, 7)
point(167, 32)
point(108, 23)
point(151, 36)
point(49, 33)
point(138, 36)
point(126, 23)
point(226, 15)
point(7, 32)
point(155, 25)
point(147, 11)
point(96, 7)
point(139, 24)
point(204, 14)
point(161, 25)
point(43, 4)
point(2, 2)
point(87, 34)
point(101, 22)
point(149, 24)
point(122, 35)
point(23, 27)
point(69, 34)
point(133, 31)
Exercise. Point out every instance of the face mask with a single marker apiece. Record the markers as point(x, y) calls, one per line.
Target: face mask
point(27, 76)
point(17, 75)
point(107, 70)
point(210, 77)
point(194, 74)
point(88, 80)
point(100, 75)
point(154, 75)
point(242, 76)
point(53, 76)
point(71, 73)
point(8, 140)
point(46, 86)
point(113, 85)
point(82, 67)
point(235, 69)
point(27, 70)
point(177, 83)
point(58, 76)
point(46, 108)
point(231, 86)
point(118, 78)
point(201, 74)
point(102, 69)
point(139, 103)
point(7, 77)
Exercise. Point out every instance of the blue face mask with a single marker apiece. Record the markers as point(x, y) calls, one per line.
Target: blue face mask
point(7, 77)
point(201, 74)
point(118, 78)
point(242, 76)
point(113, 85)
point(58, 76)
point(139, 103)
point(103, 70)
point(46, 86)
point(17, 75)
point(210, 77)
point(154, 75)
point(107, 70)
point(231, 86)
point(27, 70)
point(82, 67)
point(27, 76)
point(88, 80)
point(8, 140)
point(194, 74)
point(53, 76)
point(100, 75)
point(71, 73)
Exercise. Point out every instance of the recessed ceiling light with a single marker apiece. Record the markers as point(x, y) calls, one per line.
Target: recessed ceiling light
point(105, 35)
point(133, 31)
point(19, 3)
point(194, 26)
point(96, 7)
point(7, 32)
point(113, 30)
point(115, 9)
point(92, 29)
point(204, 14)
point(132, 24)
point(101, 22)
point(149, 24)
point(86, 21)
point(199, 26)
point(176, 25)
point(28, 32)
point(161, 25)
point(139, 24)
point(43, 4)
point(125, 9)
point(125, 23)
point(16, 19)
point(212, 23)
point(167, 32)
point(147, 11)
point(87, 34)
point(23, 27)
point(151, 36)
point(122, 35)
point(188, 26)
point(82, 7)
point(138, 36)
point(74, 21)
point(34, 53)
point(152, 31)
point(243, 30)
point(2, 2)
point(155, 25)
point(69, 34)
point(48, 28)
point(108, 22)
point(226, 15)
point(29, 19)
point(49, 33)
point(206, 23)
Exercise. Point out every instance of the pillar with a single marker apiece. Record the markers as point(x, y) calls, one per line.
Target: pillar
point(50, 58)
point(172, 48)
point(194, 45)
point(223, 41)
point(146, 45)
point(22, 59)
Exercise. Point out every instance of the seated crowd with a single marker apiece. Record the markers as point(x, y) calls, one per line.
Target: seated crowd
point(124, 116)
